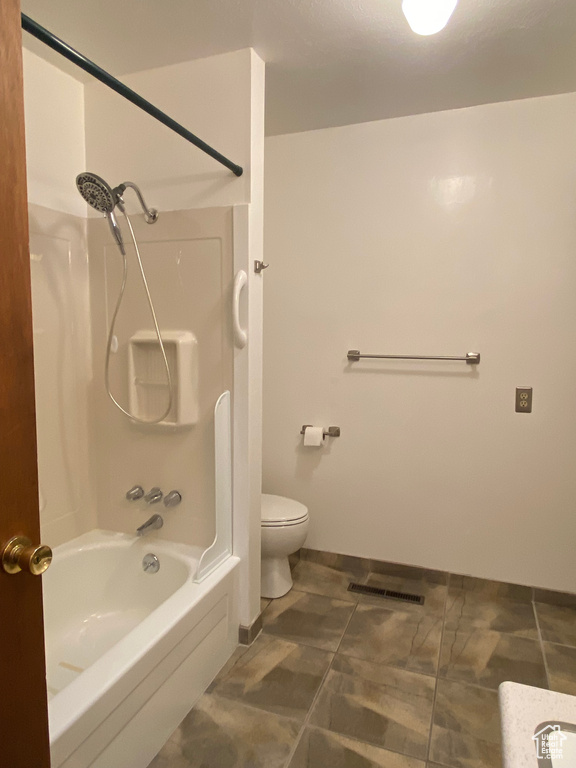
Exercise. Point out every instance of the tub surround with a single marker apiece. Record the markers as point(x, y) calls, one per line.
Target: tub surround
point(118, 711)
point(176, 176)
point(82, 133)
point(188, 257)
point(63, 372)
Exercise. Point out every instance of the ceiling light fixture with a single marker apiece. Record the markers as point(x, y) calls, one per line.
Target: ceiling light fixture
point(426, 17)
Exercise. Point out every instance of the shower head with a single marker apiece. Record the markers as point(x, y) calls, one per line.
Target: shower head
point(104, 199)
point(97, 192)
point(100, 195)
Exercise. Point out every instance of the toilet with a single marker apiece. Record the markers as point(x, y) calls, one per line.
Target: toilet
point(284, 529)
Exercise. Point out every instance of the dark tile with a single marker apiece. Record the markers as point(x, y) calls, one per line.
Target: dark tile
point(434, 594)
point(557, 624)
point(310, 619)
point(381, 705)
point(318, 749)
point(488, 658)
point(466, 728)
point(399, 639)
point(493, 589)
point(238, 653)
point(220, 733)
point(467, 609)
point(320, 579)
point(408, 572)
point(277, 676)
point(359, 566)
point(566, 599)
point(294, 559)
point(561, 662)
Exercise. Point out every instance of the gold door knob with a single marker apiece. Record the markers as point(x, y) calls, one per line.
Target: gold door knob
point(21, 555)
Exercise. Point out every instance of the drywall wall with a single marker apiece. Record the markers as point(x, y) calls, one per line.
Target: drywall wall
point(55, 153)
point(55, 145)
point(434, 234)
point(248, 248)
point(210, 97)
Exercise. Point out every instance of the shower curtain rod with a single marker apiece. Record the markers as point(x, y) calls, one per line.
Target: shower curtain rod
point(93, 69)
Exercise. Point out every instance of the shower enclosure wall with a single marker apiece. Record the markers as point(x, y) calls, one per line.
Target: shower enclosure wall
point(104, 639)
point(149, 642)
point(187, 256)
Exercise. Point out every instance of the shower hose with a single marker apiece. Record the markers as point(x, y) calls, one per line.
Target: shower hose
point(137, 419)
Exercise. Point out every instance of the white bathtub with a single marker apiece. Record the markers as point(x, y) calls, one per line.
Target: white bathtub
point(128, 652)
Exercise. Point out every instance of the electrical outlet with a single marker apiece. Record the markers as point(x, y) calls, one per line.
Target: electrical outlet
point(523, 399)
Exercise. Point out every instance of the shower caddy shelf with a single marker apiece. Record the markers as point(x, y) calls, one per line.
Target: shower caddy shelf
point(77, 58)
point(147, 386)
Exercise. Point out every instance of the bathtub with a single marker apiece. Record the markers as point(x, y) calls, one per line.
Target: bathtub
point(129, 652)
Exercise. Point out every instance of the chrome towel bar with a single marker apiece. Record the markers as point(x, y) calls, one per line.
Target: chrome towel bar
point(471, 358)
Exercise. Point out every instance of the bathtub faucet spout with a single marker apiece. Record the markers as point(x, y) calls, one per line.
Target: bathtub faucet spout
point(153, 524)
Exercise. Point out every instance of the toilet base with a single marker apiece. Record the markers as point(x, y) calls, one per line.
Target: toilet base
point(276, 577)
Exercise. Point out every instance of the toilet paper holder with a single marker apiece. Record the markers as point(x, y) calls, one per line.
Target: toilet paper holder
point(330, 432)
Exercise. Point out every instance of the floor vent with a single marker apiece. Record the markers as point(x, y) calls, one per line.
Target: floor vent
point(391, 594)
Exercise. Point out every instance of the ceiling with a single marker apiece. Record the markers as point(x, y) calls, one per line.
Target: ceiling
point(334, 62)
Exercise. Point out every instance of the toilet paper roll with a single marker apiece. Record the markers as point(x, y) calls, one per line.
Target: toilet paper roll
point(314, 436)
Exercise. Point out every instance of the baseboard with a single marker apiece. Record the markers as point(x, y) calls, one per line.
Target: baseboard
point(361, 566)
point(247, 635)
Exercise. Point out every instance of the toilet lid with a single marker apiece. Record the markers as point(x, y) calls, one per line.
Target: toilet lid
point(279, 509)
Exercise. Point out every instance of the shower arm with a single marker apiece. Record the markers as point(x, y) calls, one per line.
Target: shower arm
point(150, 214)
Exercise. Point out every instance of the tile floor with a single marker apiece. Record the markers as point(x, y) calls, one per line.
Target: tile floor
point(339, 680)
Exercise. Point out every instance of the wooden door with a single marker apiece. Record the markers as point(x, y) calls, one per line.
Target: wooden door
point(23, 707)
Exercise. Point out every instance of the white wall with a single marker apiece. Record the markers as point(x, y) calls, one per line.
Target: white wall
point(210, 97)
point(55, 153)
point(435, 234)
point(248, 247)
point(55, 145)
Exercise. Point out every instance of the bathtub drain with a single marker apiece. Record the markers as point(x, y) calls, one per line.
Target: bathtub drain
point(150, 563)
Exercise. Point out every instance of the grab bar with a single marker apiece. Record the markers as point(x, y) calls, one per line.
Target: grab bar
point(472, 358)
point(240, 335)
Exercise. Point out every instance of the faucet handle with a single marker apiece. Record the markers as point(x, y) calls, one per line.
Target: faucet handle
point(154, 495)
point(135, 493)
point(172, 499)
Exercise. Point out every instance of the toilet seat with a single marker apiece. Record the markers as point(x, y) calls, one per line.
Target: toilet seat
point(279, 511)
point(285, 524)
